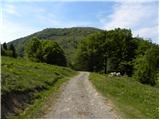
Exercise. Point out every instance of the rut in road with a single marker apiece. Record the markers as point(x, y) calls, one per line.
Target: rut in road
point(80, 100)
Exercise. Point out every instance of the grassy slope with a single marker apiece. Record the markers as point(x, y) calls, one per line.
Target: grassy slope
point(132, 98)
point(20, 76)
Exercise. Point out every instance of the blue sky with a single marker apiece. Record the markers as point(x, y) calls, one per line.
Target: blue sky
point(23, 17)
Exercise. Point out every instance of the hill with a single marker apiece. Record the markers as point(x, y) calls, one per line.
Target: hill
point(27, 85)
point(67, 38)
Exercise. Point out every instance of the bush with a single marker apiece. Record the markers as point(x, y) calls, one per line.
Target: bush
point(45, 51)
point(12, 49)
point(8, 51)
point(146, 67)
point(52, 53)
point(33, 50)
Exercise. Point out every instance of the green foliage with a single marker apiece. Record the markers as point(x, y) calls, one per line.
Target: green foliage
point(5, 46)
point(120, 50)
point(45, 51)
point(133, 99)
point(52, 53)
point(146, 66)
point(89, 55)
point(116, 46)
point(12, 48)
point(33, 49)
point(8, 51)
point(116, 50)
point(142, 45)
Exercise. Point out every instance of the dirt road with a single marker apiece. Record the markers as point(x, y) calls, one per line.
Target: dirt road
point(80, 100)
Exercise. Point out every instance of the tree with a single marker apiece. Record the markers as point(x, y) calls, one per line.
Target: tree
point(8, 51)
point(89, 54)
point(141, 45)
point(2, 51)
point(5, 46)
point(53, 54)
point(146, 66)
point(33, 50)
point(45, 51)
point(121, 50)
point(111, 50)
point(12, 48)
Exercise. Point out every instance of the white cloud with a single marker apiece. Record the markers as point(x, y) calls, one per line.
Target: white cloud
point(128, 15)
point(11, 31)
point(140, 17)
point(10, 9)
point(148, 33)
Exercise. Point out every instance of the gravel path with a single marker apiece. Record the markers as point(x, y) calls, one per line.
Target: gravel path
point(80, 100)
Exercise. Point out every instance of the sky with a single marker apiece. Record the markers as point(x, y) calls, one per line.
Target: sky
point(19, 18)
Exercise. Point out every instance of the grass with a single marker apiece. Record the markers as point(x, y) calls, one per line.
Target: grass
point(133, 99)
point(21, 76)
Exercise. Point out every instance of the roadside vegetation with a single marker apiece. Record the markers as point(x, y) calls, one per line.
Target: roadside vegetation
point(133, 99)
point(26, 85)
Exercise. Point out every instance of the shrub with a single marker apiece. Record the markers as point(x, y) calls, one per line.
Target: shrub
point(146, 67)
point(45, 51)
point(52, 53)
point(8, 51)
point(33, 49)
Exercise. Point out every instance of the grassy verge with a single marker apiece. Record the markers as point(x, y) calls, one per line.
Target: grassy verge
point(34, 82)
point(133, 99)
